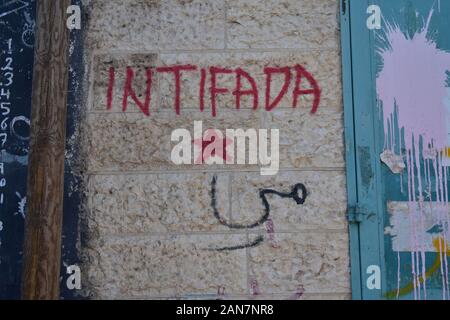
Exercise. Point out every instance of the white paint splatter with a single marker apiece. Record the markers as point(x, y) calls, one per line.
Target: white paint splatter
point(412, 89)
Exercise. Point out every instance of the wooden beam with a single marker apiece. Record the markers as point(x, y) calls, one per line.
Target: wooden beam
point(43, 224)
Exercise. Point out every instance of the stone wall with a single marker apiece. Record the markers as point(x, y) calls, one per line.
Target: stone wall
point(149, 225)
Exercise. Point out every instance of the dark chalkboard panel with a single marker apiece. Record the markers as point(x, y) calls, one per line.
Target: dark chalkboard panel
point(17, 22)
point(17, 29)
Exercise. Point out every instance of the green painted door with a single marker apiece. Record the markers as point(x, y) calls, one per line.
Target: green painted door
point(396, 66)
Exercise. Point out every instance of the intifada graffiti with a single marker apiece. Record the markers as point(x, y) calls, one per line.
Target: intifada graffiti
point(245, 85)
point(296, 82)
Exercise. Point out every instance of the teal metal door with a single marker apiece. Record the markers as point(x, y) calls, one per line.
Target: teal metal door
point(396, 66)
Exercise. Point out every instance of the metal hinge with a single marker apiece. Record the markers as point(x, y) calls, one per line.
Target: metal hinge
point(356, 213)
point(344, 6)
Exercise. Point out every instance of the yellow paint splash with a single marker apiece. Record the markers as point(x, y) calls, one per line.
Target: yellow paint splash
point(438, 243)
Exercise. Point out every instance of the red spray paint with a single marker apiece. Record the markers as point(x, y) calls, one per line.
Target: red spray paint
point(176, 70)
point(214, 90)
point(301, 74)
point(110, 88)
point(239, 92)
point(287, 80)
point(315, 90)
point(129, 92)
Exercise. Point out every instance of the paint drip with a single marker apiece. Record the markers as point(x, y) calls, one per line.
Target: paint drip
point(414, 97)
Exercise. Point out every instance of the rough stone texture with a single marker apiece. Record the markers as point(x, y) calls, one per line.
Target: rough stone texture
point(272, 296)
point(170, 265)
point(149, 229)
point(283, 7)
point(324, 66)
point(139, 63)
point(282, 24)
point(324, 207)
point(314, 261)
point(138, 203)
point(144, 143)
point(310, 140)
point(292, 296)
point(156, 25)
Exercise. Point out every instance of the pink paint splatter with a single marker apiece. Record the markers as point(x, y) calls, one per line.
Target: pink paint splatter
point(271, 233)
point(254, 287)
point(412, 86)
point(221, 291)
point(298, 293)
point(413, 78)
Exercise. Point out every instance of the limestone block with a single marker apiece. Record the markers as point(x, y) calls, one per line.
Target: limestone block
point(130, 142)
point(102, 64)
point(282, 24)
point(288, 296)
point(192, 24)
point(156, 203)
point(164, 266)
point(286, 7)
point(315, 261)
point(324, 66)
point(128, 25)
point(138, 25)
point(324, 206)
point(310, 140)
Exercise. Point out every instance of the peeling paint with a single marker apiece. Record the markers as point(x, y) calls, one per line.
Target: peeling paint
point(393, 161)
point(400, 227)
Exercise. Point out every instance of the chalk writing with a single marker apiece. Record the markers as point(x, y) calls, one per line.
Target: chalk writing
point(28, 32)
point(11, 7)
point(21, 205)
point(16, 65)
point(2, 182)
point(6, 80)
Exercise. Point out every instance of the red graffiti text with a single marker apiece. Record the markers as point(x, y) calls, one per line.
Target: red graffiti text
point(296, 77)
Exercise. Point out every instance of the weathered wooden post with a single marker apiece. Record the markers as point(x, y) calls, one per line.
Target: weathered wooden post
point(43, 225)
